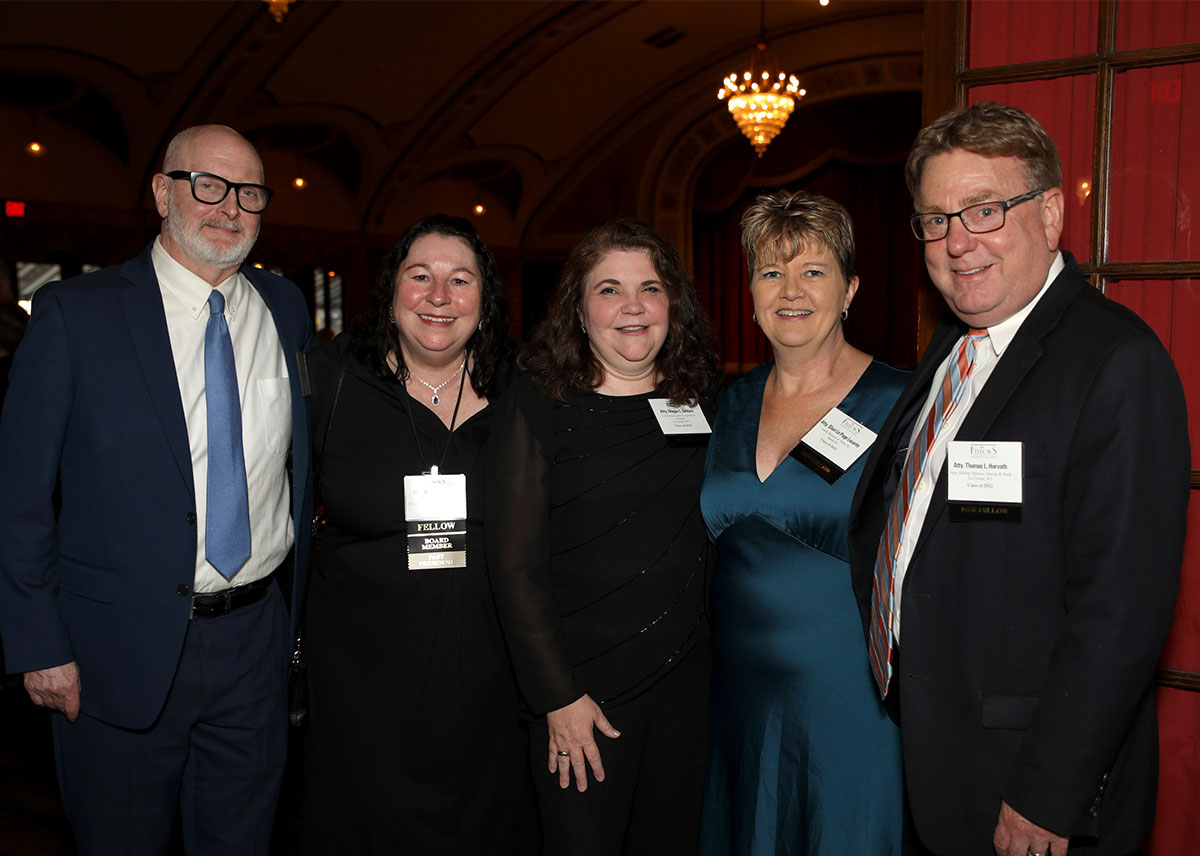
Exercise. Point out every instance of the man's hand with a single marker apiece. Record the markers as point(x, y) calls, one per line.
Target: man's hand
point(56, 688)
point(1016, 836)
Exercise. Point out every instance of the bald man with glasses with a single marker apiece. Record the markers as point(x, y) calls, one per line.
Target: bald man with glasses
point(160, 400)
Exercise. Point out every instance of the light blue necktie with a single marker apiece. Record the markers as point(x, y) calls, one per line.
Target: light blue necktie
point(227, 524)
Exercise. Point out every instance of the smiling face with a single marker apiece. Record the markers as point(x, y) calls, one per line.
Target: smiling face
point(209, 240)
point(990, 277)
point(437, 300)
point(626, 311)
point(799, 303)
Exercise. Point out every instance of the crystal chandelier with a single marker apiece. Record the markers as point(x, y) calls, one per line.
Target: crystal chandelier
point(278, 8)
point(762, 97)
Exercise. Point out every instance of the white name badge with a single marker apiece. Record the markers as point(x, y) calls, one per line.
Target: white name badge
point(833, 445)
point(435, 508)
point(983, 479)
point(679, 419)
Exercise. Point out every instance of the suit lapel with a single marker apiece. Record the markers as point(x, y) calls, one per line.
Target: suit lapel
point(141, 302)
point(1022, 354)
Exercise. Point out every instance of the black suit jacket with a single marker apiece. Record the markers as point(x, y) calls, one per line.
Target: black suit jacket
point(1028, 648)
point(94, 414)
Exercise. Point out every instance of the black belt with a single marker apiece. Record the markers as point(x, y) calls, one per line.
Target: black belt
point(214, 604)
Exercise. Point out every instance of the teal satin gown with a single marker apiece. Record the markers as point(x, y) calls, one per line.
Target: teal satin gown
point(803, 758)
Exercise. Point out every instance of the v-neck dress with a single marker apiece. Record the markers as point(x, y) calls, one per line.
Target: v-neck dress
point(803, 758)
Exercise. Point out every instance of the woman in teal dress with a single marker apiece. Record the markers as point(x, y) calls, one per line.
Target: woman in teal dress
point(803, 758)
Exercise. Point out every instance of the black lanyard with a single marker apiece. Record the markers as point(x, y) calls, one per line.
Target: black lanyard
point(412, 402)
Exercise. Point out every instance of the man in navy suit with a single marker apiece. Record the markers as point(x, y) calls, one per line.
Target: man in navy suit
point(1017, 533)
point(149, 518)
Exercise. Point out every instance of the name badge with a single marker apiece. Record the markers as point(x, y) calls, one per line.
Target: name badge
point(983, 480)
point(679, 418)
point(833, 445)
point(435, 509)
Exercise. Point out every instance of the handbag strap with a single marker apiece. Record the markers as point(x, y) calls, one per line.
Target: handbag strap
point(337, 391)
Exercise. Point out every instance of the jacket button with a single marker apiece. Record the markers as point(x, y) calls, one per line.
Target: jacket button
point(191, 518)
point(1093, 811)
point(182, 590)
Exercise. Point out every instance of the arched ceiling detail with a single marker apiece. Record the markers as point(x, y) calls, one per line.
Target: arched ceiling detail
point(392, 109)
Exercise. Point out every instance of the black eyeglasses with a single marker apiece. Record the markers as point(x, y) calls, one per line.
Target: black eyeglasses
point(211, 189)
point(984, 217)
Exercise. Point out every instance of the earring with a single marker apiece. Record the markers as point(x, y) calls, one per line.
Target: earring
point(754, 318)
point(480, 325)
point(845, 314)
point(583, 327)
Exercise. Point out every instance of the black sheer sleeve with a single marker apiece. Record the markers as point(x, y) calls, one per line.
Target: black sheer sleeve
point(516, 515)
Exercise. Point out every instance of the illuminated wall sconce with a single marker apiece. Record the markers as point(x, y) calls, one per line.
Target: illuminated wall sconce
point(479, 209)
point(34, 148)
point(298, 182)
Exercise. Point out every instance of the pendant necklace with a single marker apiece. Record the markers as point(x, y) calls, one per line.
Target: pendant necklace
point(436, 389)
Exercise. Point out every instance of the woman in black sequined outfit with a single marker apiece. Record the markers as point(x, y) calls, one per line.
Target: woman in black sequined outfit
point(597, 550)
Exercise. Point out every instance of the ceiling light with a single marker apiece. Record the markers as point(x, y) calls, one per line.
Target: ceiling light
point(762, 97)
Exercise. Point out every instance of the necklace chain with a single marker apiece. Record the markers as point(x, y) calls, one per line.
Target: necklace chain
point(437, 399)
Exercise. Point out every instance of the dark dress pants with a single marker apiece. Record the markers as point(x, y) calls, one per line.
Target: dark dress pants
point(216, 751)
point(649, 801)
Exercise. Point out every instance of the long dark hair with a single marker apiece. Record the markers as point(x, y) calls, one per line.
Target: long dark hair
point(560, 358)
point(375, 338)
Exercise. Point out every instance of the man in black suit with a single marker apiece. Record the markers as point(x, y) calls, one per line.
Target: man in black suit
point(1017, 534)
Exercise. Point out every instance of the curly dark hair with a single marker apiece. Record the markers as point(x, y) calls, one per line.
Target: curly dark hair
point(375, 338)
point(559, 356)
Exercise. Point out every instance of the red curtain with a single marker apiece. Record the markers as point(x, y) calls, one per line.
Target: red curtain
point(1145, 24)
point(1030, 30)
point(1154, 189)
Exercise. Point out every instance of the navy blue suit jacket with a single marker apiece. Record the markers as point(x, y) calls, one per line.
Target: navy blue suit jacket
point(102, 573)
point(1027, 648)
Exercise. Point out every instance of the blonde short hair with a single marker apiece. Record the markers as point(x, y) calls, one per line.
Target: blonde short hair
point(779, 225)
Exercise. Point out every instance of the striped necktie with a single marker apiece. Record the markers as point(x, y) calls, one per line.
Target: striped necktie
point(227, 515)
point(883, 593)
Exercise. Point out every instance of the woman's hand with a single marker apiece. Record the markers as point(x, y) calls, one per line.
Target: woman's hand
point(572, 731)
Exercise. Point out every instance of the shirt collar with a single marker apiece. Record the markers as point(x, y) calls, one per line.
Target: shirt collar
point(1001, 335)
point(191, 290)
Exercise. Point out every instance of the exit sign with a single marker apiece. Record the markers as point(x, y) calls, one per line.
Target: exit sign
point(14, 209)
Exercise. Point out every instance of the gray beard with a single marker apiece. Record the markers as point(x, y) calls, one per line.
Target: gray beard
point(200, 252)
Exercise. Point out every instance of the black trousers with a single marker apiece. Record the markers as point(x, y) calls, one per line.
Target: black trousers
point(649, 801)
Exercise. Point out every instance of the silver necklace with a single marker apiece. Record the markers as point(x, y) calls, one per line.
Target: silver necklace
point(437, 399)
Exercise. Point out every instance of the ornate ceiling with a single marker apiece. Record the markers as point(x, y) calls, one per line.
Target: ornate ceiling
point(548, 113)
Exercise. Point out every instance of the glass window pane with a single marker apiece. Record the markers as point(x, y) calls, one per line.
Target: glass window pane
point(1142, 24)
point(1154, 189)
point(1029, 30)
point(33, 275)
point(1066, 107)
point(1172, 309)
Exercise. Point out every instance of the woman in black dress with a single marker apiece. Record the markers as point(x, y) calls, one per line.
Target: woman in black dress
point(597, 550)
point(415, 743)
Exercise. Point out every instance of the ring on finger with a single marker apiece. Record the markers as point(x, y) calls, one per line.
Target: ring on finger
point(563, 754)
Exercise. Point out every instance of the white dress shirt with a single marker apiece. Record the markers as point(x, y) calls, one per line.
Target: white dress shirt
point(266, 409)
point(987, 354)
